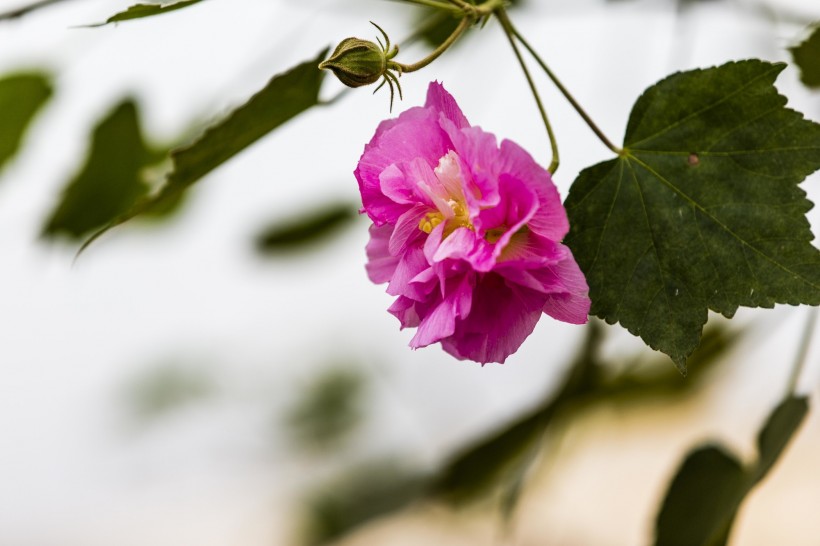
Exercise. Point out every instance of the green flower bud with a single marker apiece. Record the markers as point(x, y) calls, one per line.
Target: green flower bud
point(357, 62)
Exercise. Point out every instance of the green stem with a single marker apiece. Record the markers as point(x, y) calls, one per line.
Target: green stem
point(463, 25)
point(803, 351)
point(601, 136)
point(510, 32)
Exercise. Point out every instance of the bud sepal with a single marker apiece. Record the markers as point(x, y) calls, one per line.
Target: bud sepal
point(357, 62)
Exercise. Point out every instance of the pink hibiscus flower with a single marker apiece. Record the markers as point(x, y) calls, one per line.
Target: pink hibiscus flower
point(466, 233)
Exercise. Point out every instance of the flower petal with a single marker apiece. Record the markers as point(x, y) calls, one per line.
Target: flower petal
point(443, 102)
point(503, 315)
point(551, 218)
point(381, 264)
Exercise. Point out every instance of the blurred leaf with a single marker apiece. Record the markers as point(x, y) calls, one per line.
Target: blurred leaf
point(708, 489)
point(284, 97)
point(329, 410)
point(21, 97)
point(111, 181)
point(138, 11)
point(500, 459)
point(24, 10)
point(365, 493)
point(496, 460)
point(165, 389)
point(312, 227)
point(702, 210)
point(807, 57)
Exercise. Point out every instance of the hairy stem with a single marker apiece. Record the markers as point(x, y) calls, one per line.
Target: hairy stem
point(567, 95)
point(510, 32)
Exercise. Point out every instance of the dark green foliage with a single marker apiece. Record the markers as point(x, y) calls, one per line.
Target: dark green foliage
point(702, 210)
point(312, 227)
point(284, 97)
point(139, 11)
point(710, 486)
point(807, 57)
point(364, 493)
point(21, 97)
point(110, 182)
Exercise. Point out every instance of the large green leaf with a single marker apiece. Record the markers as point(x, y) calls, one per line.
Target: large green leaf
point(21, 97)
point(702, 210)
point(139, 11)
point(283, 98)
point(111, 180)
point(807, 57)
point(711, 484)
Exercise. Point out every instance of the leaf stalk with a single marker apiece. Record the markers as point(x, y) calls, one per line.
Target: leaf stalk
point(509, 30)
point(551, 75)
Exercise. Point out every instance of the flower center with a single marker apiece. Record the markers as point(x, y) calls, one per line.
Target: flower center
point(460, 218)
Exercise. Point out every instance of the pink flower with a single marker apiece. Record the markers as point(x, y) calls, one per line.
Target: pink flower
point(466, 233)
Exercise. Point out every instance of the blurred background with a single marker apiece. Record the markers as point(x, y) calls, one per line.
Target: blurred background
point(226, 374)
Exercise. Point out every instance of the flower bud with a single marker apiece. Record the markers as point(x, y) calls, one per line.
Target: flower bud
point(357, 62)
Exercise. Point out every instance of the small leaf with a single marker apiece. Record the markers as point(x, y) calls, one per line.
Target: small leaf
point(283, 98)
point(139, 11)
point(702, 210)
point(708, 489)
point(807, 57)
point(110, 182)
point(702, 499)
point(779, 429)
point(310, 228)
point(21, 97)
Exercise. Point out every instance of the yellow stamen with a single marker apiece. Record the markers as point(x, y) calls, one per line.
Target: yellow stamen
point(430, 220)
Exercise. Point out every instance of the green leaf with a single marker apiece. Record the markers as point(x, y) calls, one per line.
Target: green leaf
point(310, 228)
point(21, 97)
point(702, 210)
point(139, 11)
point(708, 489)
point(283, 98)
point(111, 181)
point(807, 57)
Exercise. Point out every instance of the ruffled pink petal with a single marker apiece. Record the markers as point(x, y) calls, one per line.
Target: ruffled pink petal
point(380, 263)
point(440, 321)
point(443, 102)
point(528, 250)
point(409, 265)
point(501, 318)
point(404, 309)
point(478, 154)
point(551, 218)
point(407, 230)
point(399, 144)
point(572, 305)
